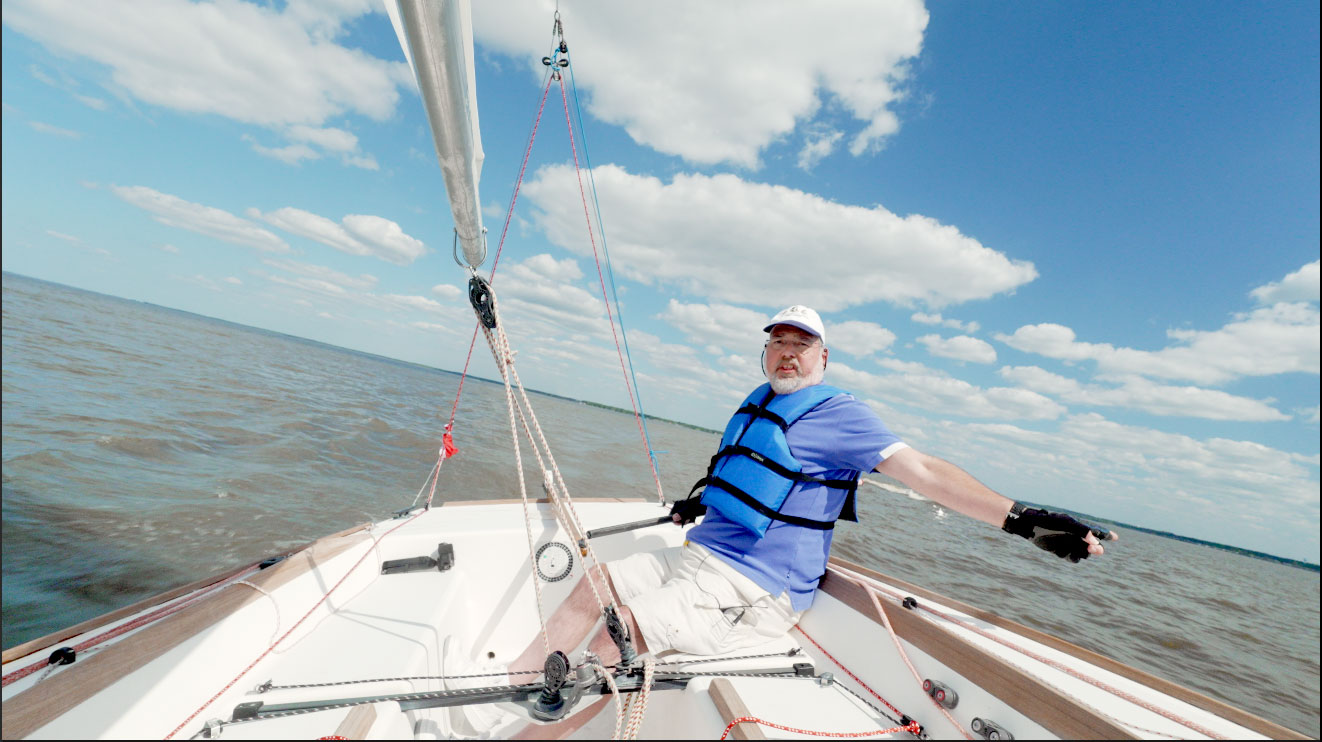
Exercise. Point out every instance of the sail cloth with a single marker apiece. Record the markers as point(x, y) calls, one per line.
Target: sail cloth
point(437, 38)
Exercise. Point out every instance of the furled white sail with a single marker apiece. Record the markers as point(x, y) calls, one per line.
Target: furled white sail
point(437, 37)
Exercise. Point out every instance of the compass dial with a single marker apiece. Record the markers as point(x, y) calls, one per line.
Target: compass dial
point(554, 561)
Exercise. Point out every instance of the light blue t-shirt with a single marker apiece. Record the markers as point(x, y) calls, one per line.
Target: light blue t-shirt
point(839, 437)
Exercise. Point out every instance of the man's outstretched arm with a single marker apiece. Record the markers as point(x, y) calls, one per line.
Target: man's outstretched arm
point(951, 486)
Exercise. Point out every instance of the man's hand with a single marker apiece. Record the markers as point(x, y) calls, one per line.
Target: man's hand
point(687, 510)
point(1058, 533)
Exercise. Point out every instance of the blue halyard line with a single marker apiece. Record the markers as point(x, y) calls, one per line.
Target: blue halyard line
point(610, 271)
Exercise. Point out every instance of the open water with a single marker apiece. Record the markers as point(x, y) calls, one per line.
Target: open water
point(146, 447)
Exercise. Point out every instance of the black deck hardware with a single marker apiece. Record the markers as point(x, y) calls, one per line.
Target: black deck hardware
point(989, 729)
point(804, 669)
point(479, 295)
point(272, 561)
point(910, 602)
point(609, 530)
point(62, 656)
point(620, 635)
point(443, 560)
point(249, 710)
point(412, 564)
point(551, 703)
point(526, 695)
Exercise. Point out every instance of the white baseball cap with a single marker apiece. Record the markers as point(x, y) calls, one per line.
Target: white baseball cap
point(801, 317)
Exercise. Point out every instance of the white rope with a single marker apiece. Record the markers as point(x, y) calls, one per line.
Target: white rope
point(558, 492)
point(435, 472)
point(275, 603)
point(562, 504)
point(504, 360)
point(608, 678)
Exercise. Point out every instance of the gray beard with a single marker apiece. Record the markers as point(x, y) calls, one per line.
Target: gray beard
point(789, 386)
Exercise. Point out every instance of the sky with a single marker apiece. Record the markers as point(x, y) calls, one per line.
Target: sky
point(1071, 247)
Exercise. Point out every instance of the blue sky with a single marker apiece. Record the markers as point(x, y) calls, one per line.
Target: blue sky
point(1071, 247)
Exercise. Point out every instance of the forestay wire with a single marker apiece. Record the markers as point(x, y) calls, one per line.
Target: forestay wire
point(555, 62)
point(610, 273)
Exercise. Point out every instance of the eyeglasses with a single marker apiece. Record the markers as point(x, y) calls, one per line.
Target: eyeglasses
point(796, 346)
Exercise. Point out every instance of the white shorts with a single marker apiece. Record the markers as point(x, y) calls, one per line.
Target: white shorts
point(687, 599)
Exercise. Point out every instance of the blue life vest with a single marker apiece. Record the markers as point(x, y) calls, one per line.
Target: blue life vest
point(752, 473)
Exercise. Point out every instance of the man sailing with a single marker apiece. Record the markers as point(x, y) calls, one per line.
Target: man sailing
point(786, 470)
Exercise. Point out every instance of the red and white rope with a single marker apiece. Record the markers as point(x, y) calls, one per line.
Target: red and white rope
point(911, 728)
point(651, 461)
point(905, 656)
point(640, 703)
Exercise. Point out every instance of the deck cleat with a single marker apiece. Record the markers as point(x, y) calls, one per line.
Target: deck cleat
point(989, 729)
point(941, 693)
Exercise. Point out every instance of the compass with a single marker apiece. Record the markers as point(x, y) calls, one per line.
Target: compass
point(554, 561)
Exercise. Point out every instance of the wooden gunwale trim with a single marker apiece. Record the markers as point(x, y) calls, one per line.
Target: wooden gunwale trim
point(1175, 690)
point(517, 501)
point(1026, 693)
point(19, 651)
point(730, 706)
point(39, 705)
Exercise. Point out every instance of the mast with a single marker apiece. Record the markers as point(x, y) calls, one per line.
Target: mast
point(437, 38)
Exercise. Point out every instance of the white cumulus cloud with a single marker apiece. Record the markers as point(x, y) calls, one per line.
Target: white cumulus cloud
point(262, 66)
point(278, 68)
point(960, 348)
point(724, 237)
point(357, 234)
point(1282, 338)
point(363, 282)
point(857, 338)
point(817, 146)
point(945, 395)
point(1301, 285)
point(734, 76)
point(1137, 393)
point(721, 325)
point(208, 220)
point(935, 318)
point(447, 291)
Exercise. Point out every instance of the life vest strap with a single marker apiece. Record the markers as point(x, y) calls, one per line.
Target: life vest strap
point(755, 410)
point(849, 485)
point(752, 502)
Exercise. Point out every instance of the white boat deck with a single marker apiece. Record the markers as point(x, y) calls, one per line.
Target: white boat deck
point(201, 663)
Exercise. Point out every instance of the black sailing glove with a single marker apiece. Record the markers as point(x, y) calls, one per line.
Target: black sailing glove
point(688, 510)
point(1058, 533)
